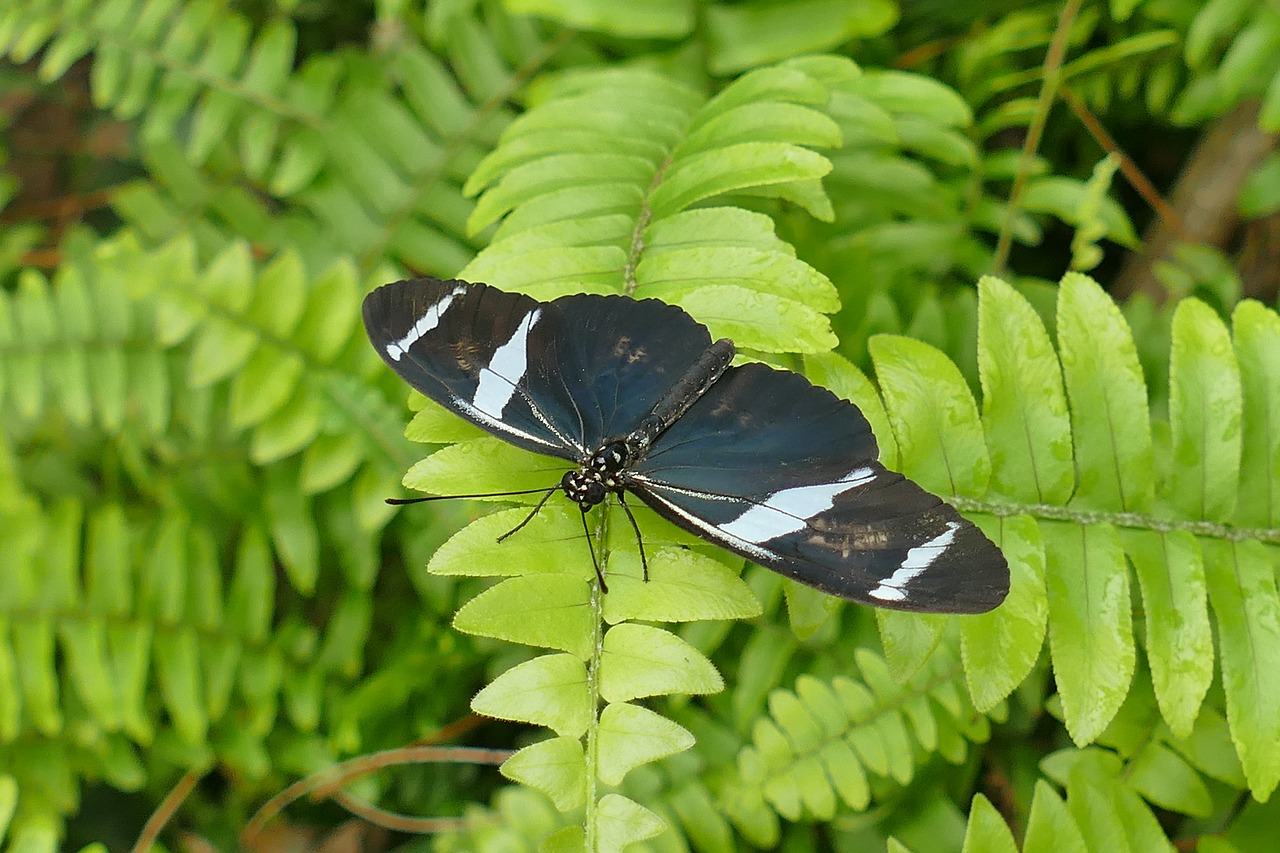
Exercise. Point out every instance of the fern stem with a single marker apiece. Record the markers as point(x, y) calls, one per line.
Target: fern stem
point(1139, 181)
point(1048, 91)
point(1135, 520)
point(629, 282)
point(593, 680)
point(165, 811)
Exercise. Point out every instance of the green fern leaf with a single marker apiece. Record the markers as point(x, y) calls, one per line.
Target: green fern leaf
point(825, 743)
point(1108, 400)
point(547, 691)
point(553, 767)
point(1000, 648)
point(1204, 414)
point(987, 832)
point(1242, 590)
point(1179, 644)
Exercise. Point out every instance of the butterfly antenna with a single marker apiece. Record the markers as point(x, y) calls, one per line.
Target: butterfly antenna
point(594, 562)
point(426, 498)
point(644, 564)
point(528, 518)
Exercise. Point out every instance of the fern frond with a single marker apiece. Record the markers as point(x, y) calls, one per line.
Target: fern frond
point(368, 160)
point(163, 636)
point(1073, 491)
point(619, 217)
point(167, 58)
point(117, 323)
point(1087, 486)
point(1241, 42)
point(1110, 60)
point(829, 744)
point(597, 186)
point(130, 642)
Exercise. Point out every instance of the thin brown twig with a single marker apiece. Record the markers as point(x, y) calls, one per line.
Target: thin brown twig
point(449, 731)
point(922, 53)
point(1128, 168)
point(43, 258)
point(1048, 91)
point(393, 820)
point(63, 207)
point(164, 812)
point(326, 782)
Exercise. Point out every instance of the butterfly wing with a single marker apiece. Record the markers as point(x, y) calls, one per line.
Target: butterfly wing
point(784, 473)
point(557, 378)
point(466, 346)
point(612, 358)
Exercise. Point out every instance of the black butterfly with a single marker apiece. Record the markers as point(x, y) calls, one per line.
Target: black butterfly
point(635, 395)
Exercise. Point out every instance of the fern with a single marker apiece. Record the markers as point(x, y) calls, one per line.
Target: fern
point(1068, 503)
point(201, 575)
point(1188, 510)
point(369, 163)
point(1056, 488)
point(1243, 39)
point(631, 234)
point(1115, 57)
point(825, 743)
point(161, 630)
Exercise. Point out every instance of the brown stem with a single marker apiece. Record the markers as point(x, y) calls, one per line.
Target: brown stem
point(1204, 198)
point(1048, 91)
point(1168, 216)
point(164, 812)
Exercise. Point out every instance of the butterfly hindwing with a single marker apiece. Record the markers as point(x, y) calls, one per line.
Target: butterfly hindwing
point(785, 474)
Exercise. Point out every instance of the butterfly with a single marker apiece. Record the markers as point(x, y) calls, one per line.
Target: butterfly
point(639, 400)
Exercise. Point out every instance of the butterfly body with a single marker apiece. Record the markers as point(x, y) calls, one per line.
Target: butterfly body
point(638, 398)
point(605, 470)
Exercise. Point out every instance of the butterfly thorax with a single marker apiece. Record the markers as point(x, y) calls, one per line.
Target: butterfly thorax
point(602, 472)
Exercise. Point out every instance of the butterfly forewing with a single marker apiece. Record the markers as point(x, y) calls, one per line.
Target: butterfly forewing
point(467, 347)
point(609, 359)
point(556, 378)
point(785, 474)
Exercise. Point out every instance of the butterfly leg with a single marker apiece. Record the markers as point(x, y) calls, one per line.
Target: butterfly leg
point(604, 587)
point(528, 518)
point(644, 564)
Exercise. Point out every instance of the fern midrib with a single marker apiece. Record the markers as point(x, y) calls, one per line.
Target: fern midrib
point(1134, 520)
point(1031, 448)
point(1115, 449)
point(1268, 432)
point(591, 815)
point(636, 247)
point(53, 348)
point(1204, 441)
point(33, 613)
